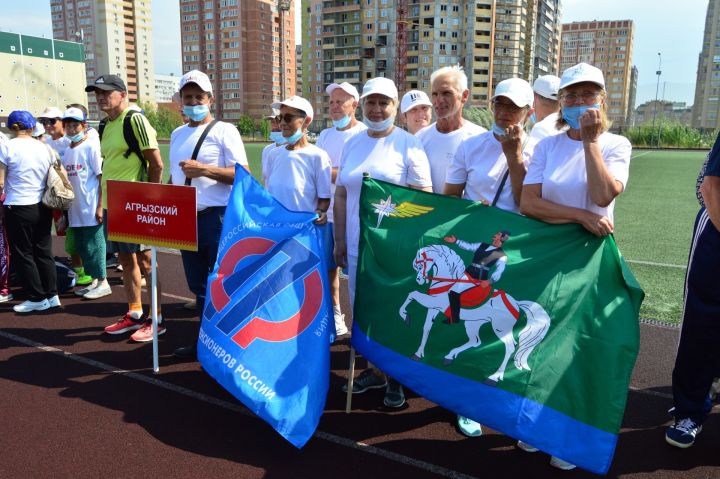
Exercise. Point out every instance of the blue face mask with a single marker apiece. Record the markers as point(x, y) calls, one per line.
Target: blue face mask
point(497, 130)
point(196, 112)
point(533, 118)
point(76, 138)
point(341, 123)
point(571, 114)
point(379, 125)
point(295, 137)
point(276, 137)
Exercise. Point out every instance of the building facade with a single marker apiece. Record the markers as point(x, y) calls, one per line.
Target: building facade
point(247, 48)
point(406, 40)
point(117, 36)
point(165, 87)
point(39, 73)
point(706, 110)
point(662, 111)
point(607, 45)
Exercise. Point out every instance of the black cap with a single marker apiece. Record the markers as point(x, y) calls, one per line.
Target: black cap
point(108, 83)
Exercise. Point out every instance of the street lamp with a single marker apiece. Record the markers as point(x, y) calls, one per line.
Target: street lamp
point(283, 6)
point(657, 90)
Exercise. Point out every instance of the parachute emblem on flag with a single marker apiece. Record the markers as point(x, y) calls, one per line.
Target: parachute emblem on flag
point(444, 269)
point(403, 210)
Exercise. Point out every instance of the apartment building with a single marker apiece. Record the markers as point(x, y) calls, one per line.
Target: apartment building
point(117, 36)
point(247, 48)
point(165, 87)
point(607, 45)
point(406, 40)
point(706, 109)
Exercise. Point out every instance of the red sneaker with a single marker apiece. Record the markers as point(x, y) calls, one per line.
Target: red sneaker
point(125, 324)
point(145, 334)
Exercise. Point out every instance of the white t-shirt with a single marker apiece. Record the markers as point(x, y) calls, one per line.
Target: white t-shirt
point(83, 165)
point(480, 164)
point(559, 166)
point(545, 128)
point(60, 145)
point(27, 161)
point(440, 148)
point(299, 178)
point(3, 138)
point(398, 158)
point(222, 147)
point(333, 141)
point(268, 153)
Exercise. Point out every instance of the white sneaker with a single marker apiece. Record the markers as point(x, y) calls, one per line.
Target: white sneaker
point(4, 298)
point(469, 427)
point(340, 327)
point(560, 464)
point(527, 447)
point(103, 289)
point(30, 306)
point(54, 302)
point(83, 291)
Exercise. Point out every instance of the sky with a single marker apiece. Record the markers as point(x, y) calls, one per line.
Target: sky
point(675, 33)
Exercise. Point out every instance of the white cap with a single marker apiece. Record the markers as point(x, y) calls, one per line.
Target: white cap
point(51, 112)
point(412, 99)
point(74, 114)
point(547, 86)
point(344, 86)
point(38, 130)
point(296, 102)
point(380, 86)
point(197, 77)
point(517, 90)
point(582, 72)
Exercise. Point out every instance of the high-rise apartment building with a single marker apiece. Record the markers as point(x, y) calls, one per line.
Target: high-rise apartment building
point(706, 107)
point(247, 48)
point(607, 45)
point(117, 36)
point(406, 40)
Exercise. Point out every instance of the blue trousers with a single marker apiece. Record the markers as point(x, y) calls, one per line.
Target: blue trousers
point(698, 358)
point(199, 264)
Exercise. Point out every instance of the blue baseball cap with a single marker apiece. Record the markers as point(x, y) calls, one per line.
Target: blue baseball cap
point(22, 118)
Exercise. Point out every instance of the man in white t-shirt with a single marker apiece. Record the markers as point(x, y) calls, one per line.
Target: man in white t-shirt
point(342, 104)
point(442, 138)
point(51, 120)
point(547, 107)
point(212, 174)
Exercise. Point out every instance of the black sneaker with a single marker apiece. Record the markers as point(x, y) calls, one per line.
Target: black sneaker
point(394, 394)
point(682, 434)
point(366, 381)
point(186, 352)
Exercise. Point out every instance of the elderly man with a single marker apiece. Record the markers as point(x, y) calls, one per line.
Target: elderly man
point(547, 107)
point(343, 102)
point(442, 138)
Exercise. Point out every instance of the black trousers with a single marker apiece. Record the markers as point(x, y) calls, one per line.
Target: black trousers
point(698, 358)
point(28, 229)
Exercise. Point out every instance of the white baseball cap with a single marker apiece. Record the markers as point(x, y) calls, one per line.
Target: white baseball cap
point(74, 114)
point(412, 99)
point(547, 86)
point(381, 86)
point(344, 86)
point(517, 90)
point(38, 130)
point(582, 72)
point(197, 77)
point(51, 112)
point(296, 102)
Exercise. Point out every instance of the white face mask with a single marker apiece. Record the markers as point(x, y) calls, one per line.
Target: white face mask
point(378, 125)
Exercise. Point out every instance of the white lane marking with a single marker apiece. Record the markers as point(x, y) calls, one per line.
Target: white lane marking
point(237, 408)
point(652, 263)
point(650, 392)
point(640, 154)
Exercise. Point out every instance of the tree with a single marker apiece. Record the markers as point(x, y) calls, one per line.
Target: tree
point(263, 127)
point(479, 116)
point(163, 120)
point(246, 125)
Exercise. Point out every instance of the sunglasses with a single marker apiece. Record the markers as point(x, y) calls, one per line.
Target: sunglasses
point(48, 122)
point(287, 117)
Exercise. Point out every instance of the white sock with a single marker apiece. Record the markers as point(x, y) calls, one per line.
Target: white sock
point(103, 283)
point(336, 310)
point(93, 285)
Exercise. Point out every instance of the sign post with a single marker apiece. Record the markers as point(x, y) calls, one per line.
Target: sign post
point(153, 214)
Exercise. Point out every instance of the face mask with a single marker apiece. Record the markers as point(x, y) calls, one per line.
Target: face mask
point(196, 112)
point(76, 138)
point(276, 137)
point(379, 125)
point(571, 114)
point(533, 118)
point(497, 130)
point(341, 123)
point(295, 137)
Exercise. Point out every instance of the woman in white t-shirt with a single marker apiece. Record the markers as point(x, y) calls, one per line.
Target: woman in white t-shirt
point(83, 163)
point(574, 177)
point(386, 153)
point(24, 165)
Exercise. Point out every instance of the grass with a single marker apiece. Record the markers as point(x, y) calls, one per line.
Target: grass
point(252, 150)
point(653, 223)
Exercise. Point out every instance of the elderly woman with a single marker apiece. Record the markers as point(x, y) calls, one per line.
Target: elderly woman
point(575, 176)
point(386, 153)
point(24, 165)
point(415, 111)
point(480, 171)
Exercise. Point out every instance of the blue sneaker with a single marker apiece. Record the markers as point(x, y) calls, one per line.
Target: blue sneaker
point(682, 434)
point(469, 427)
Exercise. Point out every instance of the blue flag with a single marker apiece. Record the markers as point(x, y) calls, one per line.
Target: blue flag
point(266, 327)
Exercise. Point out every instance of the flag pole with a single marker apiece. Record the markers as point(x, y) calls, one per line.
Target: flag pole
point(351, 381)
point(154, 308)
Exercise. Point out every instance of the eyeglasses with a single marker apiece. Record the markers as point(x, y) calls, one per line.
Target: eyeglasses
point(585, 97)
point(509, 106)
point(287, 117)
point(48, 121)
